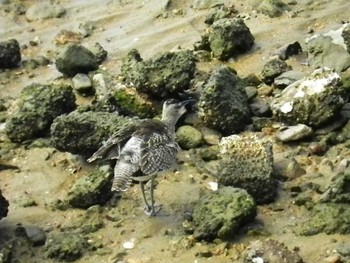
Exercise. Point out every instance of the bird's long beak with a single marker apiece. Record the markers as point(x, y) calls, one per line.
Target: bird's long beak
point(187, 102)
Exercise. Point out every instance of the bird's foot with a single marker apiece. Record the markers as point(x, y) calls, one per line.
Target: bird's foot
point(152, 211)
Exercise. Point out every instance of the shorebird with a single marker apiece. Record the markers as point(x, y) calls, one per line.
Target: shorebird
point(143, 150)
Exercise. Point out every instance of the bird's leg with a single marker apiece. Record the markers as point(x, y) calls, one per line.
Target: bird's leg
point(151, 210)
point(142, 186)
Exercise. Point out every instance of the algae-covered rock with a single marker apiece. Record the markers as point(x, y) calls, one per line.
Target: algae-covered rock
point(247, 162)
point(165, 75)
point(76, 59)
point(312, 101)
point(339, 189)
point(4, 204)
point(220, 214)
point(10, 53)
point(66, 246)
point(223, 104)
point(326, 218)
point(92, 189)
point(188, 137)
point(83, 133)
point(229, 37)
point(270, 250)
point(37, 106)
point(346, 36)
point(273, 69)
point(272, 8)
point(132, 103)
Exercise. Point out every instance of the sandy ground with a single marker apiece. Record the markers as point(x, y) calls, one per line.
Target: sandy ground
point(150, 26)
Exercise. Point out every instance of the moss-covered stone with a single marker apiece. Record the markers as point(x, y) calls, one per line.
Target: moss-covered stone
point(326, 218)
point(247, 162)
point(66, 246)
point(132, 103)
point(10, 54)
point(312, 101)
point(272, 69)
point(76, 59)
point(272, 8)
point(92, 189)
point(346, 36)
point(83, 133)
point(229, 37)
point(165, 75)
point(220, 214)
point(38, 105)
point(339, 189)
point(188, 137)
point(223, 104)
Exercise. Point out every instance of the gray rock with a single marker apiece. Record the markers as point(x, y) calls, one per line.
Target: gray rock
point(287, 167)
point(165, 75)
point(222, 213)
point(35, 235)
point(82, 84)
point(188, 137)
point(92, 189)
point(260, 107)
point(44, 10)
point(247, 162)
point(99, 52)
point(66, 246)
point(218, 12)
point(210, 136)
point(38, 105)
point(287, 78)
point(4, 204)
point(270, 250)
point(82, 133)
point(312, 101)
point(229, 37)
point(272, 8)
point(328, 50)
point(273, 69)
point(251, 92)
point(223, 104)
point(76, 59)
point(289, 50)
point(294, 133)
point(10, 54)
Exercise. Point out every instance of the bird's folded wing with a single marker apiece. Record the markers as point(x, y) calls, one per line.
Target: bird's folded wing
point(110, 149)
point(158, 154)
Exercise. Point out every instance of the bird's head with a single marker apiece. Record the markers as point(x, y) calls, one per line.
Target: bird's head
point(173, 109)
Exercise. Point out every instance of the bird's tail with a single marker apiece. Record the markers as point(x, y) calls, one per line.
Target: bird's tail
point(123, 173)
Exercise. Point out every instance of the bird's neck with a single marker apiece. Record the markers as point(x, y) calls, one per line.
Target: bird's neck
point(170, 122)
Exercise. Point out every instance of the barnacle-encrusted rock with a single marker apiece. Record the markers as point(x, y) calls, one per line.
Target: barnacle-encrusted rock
point(223, 104)
point(66, 246)
point(229, 37)
point(38, 105)
point(221, 213)
point(76, 59)
point(92, 189)
point(82, 133)
point(270, 250)
point(10, 54)
point(4, 204)
point(247, 162)
point(166, 74)
point(312, 101)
